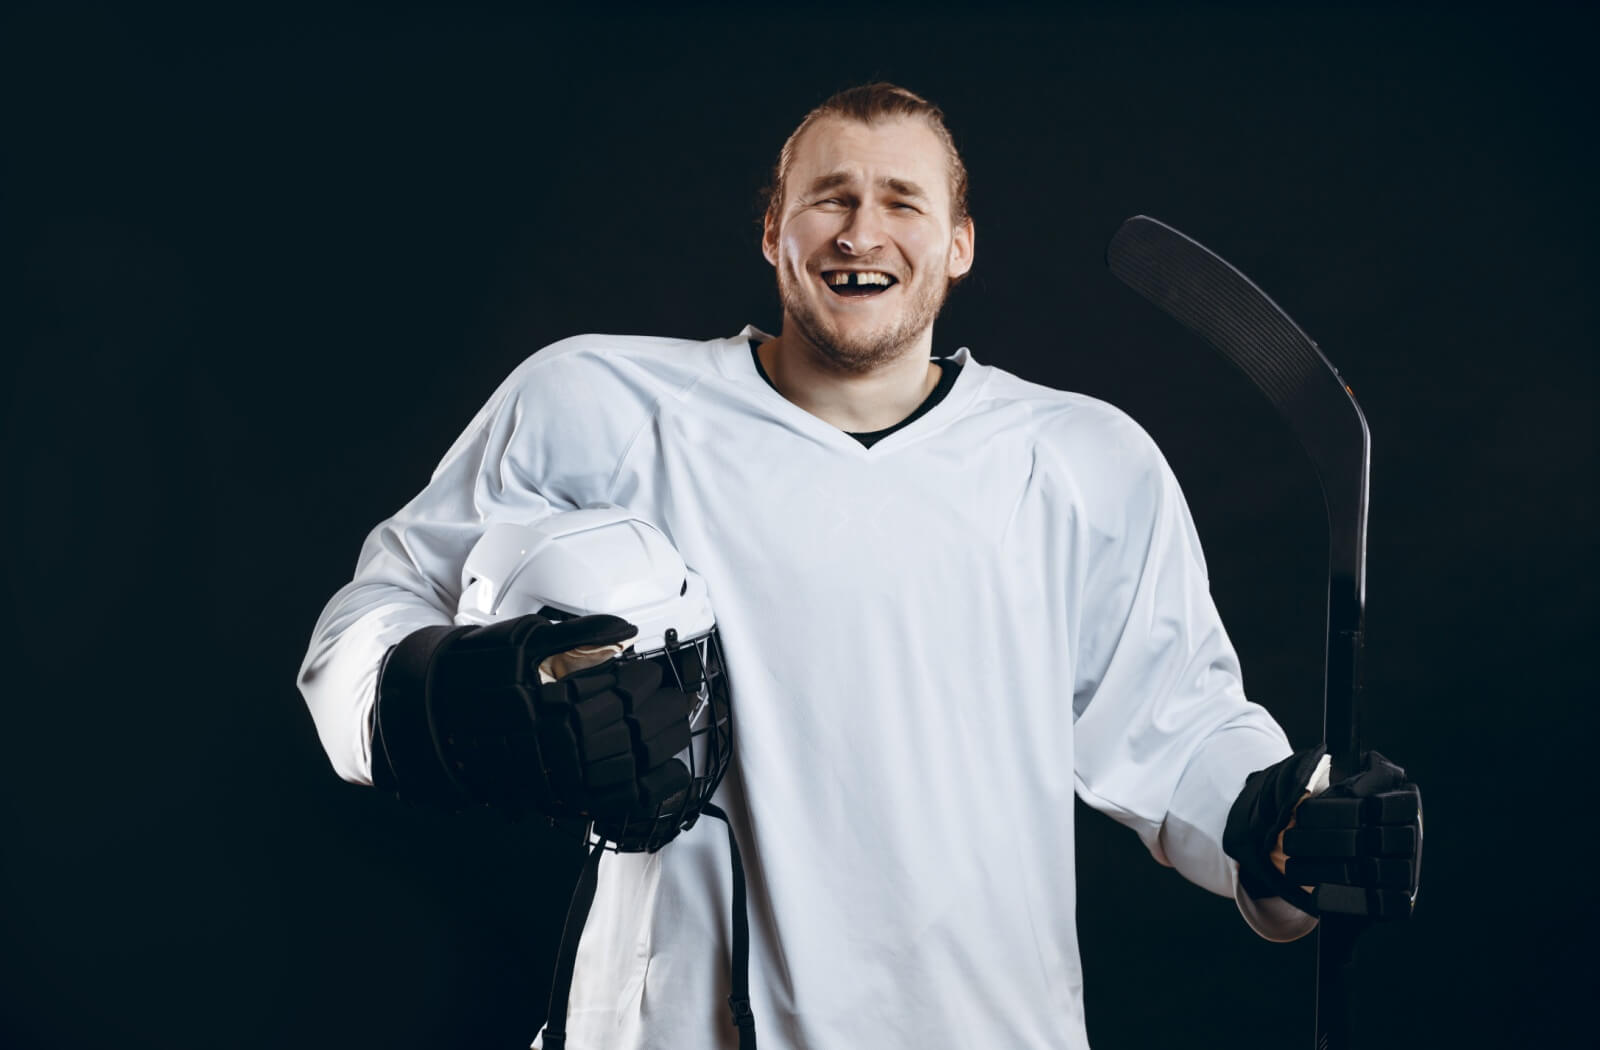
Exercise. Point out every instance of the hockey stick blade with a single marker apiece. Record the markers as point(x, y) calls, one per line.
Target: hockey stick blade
point(1225, 308)
point(1210, 297)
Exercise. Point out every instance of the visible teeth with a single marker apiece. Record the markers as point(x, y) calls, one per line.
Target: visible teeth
point(842, 278)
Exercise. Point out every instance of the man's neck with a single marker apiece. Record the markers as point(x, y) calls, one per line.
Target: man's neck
point(856, 404)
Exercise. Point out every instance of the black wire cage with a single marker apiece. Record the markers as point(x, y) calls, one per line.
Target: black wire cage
point(697, 667)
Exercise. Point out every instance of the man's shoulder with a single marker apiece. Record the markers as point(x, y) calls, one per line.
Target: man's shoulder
point(663, 358)
point(1068, 421)
point(620, 375)
point(1091, 447)
point(583, 399)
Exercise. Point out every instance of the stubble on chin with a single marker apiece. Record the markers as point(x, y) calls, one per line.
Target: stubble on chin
point(867, 353)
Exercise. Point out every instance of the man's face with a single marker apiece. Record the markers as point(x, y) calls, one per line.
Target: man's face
point(862, 240)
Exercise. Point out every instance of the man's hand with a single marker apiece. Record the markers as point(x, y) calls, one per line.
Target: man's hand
point(1279, 858)
point(465, 717)
point(1355, 848)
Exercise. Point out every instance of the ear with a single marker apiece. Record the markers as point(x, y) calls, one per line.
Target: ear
point(962, 244)
point(769, 236)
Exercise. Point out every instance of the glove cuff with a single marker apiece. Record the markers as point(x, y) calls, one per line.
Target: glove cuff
point(1259, 815)
point(406, 759)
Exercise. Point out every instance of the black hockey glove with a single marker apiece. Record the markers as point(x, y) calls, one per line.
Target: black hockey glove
point(462, 719)
point(1358, 845)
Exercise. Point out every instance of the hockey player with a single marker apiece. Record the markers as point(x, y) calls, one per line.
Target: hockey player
point(948, 599)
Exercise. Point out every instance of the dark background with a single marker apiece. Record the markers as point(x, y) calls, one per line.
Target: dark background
point(269, 262)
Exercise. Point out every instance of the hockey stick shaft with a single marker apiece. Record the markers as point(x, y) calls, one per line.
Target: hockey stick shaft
point(1225, 308)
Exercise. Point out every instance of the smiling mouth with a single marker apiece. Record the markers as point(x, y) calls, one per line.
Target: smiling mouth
point(858, 284)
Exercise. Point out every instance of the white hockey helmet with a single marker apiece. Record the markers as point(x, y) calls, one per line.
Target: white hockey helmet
point(608, 560)
point(596, 560)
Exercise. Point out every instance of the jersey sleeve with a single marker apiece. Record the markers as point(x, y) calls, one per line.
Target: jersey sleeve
point(1164, 735)
point(547, 440)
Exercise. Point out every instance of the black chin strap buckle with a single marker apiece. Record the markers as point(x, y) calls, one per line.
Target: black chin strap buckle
point(742, 1017)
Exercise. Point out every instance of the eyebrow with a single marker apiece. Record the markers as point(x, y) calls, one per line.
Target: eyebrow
point(835, 179)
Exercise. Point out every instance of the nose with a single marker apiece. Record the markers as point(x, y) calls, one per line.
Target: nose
point(862, 234)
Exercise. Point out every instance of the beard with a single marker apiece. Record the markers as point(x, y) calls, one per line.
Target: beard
point(862, 353)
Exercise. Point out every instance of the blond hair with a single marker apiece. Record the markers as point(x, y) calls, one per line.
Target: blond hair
point(869, 104)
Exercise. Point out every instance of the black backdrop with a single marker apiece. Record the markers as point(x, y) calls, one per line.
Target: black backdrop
point(271, 261)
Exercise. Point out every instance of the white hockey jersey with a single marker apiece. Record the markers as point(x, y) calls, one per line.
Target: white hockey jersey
point(932, 643)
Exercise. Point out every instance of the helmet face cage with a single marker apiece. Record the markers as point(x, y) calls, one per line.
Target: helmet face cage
point(696, 667)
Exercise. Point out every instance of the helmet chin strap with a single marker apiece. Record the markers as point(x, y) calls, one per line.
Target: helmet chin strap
point(739, 950)
point(555, 1032)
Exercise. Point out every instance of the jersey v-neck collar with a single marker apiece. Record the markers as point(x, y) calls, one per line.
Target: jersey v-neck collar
point(948, 371)
point(957, 384)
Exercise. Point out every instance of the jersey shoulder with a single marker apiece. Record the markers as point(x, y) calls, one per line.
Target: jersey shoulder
point(1094, 454)
point(641, 363)
point(1075, 427)
point(605, 377)
point(602, 387)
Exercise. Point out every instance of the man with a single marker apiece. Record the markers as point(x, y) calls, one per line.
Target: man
point(948, 599)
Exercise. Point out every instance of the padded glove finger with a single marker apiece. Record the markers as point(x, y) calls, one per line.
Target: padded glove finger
point(608, 775)
point(1383, 905)
point(662, 783)
point(1374, 813)
point(661, 748)
point(592, 716)
point(582, 724)
point(656, 717)
point(666, 710)
point(644, 798)
point(604, 730)
point(1381, 867)
point(617, 803)
point(1374, 841)
point(1376, 872)
point(614, 741)
point(636, 678)
point(1401, 806)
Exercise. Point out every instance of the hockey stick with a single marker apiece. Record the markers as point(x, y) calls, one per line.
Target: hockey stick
point(1227, 310)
